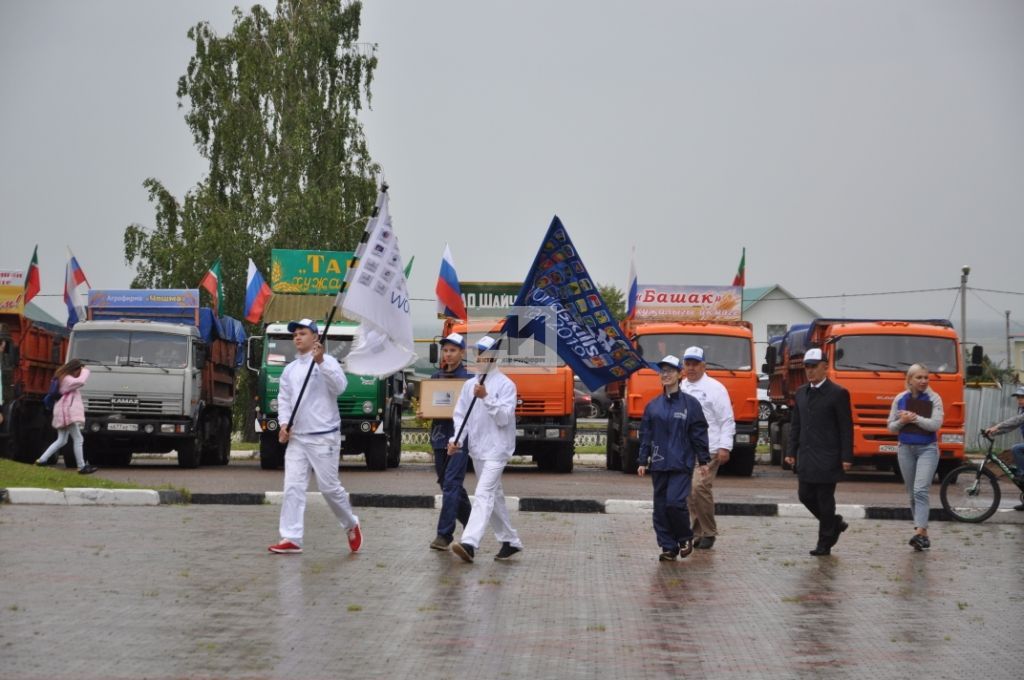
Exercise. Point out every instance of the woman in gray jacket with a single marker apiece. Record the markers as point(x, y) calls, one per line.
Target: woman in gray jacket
point(915, 416)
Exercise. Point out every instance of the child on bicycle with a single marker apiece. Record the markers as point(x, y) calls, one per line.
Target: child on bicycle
point(1011, 423)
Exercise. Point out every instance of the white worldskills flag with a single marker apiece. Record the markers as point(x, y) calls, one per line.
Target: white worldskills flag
point(377, 297)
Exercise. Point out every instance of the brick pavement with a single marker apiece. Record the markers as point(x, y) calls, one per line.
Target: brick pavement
point(189, 591)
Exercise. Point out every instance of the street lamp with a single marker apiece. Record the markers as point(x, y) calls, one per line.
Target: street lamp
point(964, 271)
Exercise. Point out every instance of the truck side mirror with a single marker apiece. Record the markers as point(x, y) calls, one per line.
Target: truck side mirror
point(200, 356)
point(975, 370)
point(770, 360)
point(433, 353)
point(977, 355)
point(253, 353)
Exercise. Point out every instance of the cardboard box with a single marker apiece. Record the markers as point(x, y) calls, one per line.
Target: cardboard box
point(438, 397)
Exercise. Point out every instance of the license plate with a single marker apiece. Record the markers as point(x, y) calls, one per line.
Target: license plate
point(520, 432)
point(122, 427)
point(888, 448)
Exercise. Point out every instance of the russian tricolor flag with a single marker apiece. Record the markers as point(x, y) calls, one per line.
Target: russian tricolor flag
point(75, 297)
point(257, 292)
point(632, 287)
point(449, 295)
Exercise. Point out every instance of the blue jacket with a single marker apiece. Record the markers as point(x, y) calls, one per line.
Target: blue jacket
point(673, 434)
point(443, 429)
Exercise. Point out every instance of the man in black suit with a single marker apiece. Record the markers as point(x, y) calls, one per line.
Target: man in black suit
point(821, 447)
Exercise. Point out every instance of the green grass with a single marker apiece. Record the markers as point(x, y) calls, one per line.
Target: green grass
point(14, 474)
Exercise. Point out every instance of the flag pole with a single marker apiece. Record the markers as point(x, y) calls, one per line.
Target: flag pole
point(330, 315)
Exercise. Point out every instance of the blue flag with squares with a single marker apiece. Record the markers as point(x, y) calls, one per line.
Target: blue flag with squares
point(590, 341)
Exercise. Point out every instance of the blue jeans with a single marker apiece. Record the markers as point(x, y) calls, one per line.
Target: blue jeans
point(917, 464)
point(455, 505)
point(1018, 458)
point(671, 511)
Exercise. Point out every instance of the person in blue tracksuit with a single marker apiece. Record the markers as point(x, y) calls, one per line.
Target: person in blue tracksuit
point(451, 470)
point(673, 441)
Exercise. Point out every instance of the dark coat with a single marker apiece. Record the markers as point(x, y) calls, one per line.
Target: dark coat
point(673, 434)
point(821, 438)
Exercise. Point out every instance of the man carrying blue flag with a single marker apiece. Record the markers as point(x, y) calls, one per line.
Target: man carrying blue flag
point(673, 440)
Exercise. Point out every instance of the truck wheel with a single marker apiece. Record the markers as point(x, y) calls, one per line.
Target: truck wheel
point(225, 440)
point(947, 466)
point(395, 438)
point(189, 452)
point(630, 453)
point(376, 451)
point(612, 451)
point(271, 452)
point(741, 462)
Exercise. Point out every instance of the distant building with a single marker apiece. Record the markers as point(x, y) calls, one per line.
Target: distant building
point(1017, 355)
point(36, 313)
point(772, 310)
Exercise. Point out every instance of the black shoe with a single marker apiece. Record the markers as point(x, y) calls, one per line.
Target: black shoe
point(464, 550)
point(841, 526)
point(704, 543)
point(917, 542)
point(1019, 508)
point(668, 555)
point(507, 551)
point(87, 469)
point(822, 550)
point(440, 543)
point(685, 548)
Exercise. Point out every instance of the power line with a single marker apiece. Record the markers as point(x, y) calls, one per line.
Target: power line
point(1003, 292)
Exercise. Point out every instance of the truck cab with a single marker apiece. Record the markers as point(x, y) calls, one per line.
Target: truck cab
point(870, 357)
point(370, 408)
point(162, 378)
point(545, 412)
point(729, 348)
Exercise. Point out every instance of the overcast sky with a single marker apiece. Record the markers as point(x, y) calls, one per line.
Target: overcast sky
point(851, 147)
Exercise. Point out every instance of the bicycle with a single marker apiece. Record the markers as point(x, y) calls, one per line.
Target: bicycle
point(971, 493)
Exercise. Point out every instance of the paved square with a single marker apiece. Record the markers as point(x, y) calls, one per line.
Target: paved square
point(190, 591)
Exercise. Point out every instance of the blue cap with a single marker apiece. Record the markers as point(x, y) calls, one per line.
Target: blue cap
point(303, 323)
point(454, 339)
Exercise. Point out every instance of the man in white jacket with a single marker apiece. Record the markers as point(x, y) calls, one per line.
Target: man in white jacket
point(714, 400)
point(491, 430)
point(313, 440)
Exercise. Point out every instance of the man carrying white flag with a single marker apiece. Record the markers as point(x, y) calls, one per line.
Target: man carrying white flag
point(375, 294)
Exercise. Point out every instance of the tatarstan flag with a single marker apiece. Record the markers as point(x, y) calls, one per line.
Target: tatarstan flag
point(741, 274)
point(211, 283)
point(32, 277)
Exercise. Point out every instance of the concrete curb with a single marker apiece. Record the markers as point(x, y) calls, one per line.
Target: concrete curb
point(136, 497)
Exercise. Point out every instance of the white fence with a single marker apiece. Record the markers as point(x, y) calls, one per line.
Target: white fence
point(987, 406)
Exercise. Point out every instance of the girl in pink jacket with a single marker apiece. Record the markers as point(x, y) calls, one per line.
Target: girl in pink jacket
point(69, 414)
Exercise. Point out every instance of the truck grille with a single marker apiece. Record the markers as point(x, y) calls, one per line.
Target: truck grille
point(871, 414)
point(538, 406)
point(131, 403)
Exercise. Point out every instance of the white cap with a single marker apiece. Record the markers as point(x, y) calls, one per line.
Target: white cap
point(304, 323)
point(695, 353)
point(455, 339)
point(813, 356)
point(484, 343)
point(670, 360)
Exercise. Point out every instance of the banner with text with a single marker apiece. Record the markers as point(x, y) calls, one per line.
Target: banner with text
point(308, 272)
point(656, 302)
point(12, 291)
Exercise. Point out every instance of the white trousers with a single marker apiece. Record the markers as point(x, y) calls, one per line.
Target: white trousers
point(320, 453)
point(74, 430)
point(489, 506)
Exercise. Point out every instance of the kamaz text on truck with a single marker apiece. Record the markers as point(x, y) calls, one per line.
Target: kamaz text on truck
point(162, 376)
point(870, 358)
point(545, 412)
point(667, 320)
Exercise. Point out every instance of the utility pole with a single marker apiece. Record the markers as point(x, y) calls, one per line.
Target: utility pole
point(1009, 357)
point(964, 271)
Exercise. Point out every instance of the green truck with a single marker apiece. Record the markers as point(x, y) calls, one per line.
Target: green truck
point(370, 408)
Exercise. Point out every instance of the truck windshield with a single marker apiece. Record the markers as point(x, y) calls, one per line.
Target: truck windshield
point(894, 353)
point(281, 349)
point(137, 348)
point(720, 351)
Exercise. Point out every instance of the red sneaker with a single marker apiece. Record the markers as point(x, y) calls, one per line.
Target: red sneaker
point(355, 539)
point(285, 548)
